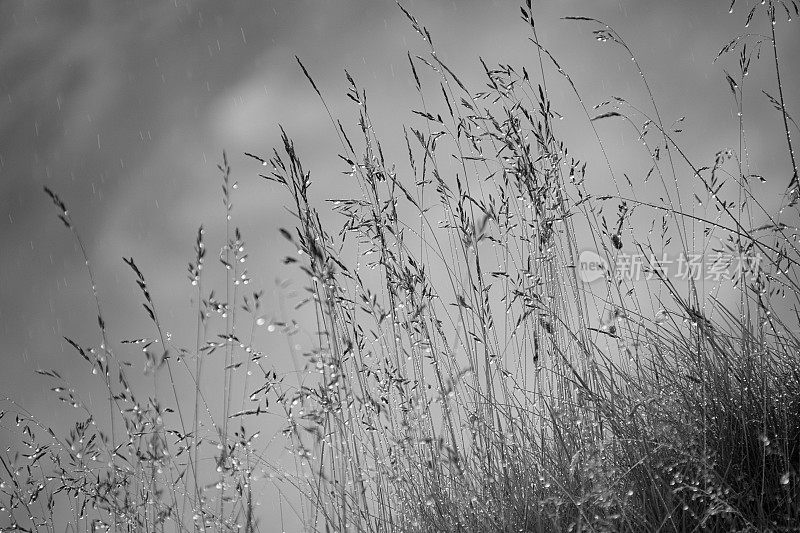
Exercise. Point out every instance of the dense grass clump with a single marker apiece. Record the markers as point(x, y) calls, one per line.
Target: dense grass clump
point(464, 375)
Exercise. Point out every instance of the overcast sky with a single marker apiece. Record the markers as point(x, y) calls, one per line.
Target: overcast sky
point(125, 107)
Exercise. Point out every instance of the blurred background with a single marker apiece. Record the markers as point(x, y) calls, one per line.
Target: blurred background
point(124, 109)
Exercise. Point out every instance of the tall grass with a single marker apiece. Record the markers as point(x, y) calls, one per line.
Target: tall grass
point(464, 377)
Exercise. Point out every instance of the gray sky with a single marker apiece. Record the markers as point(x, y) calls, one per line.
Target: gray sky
point(124, 109)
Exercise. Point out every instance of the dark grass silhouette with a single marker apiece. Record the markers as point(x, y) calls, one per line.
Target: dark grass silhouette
point(460, 379)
